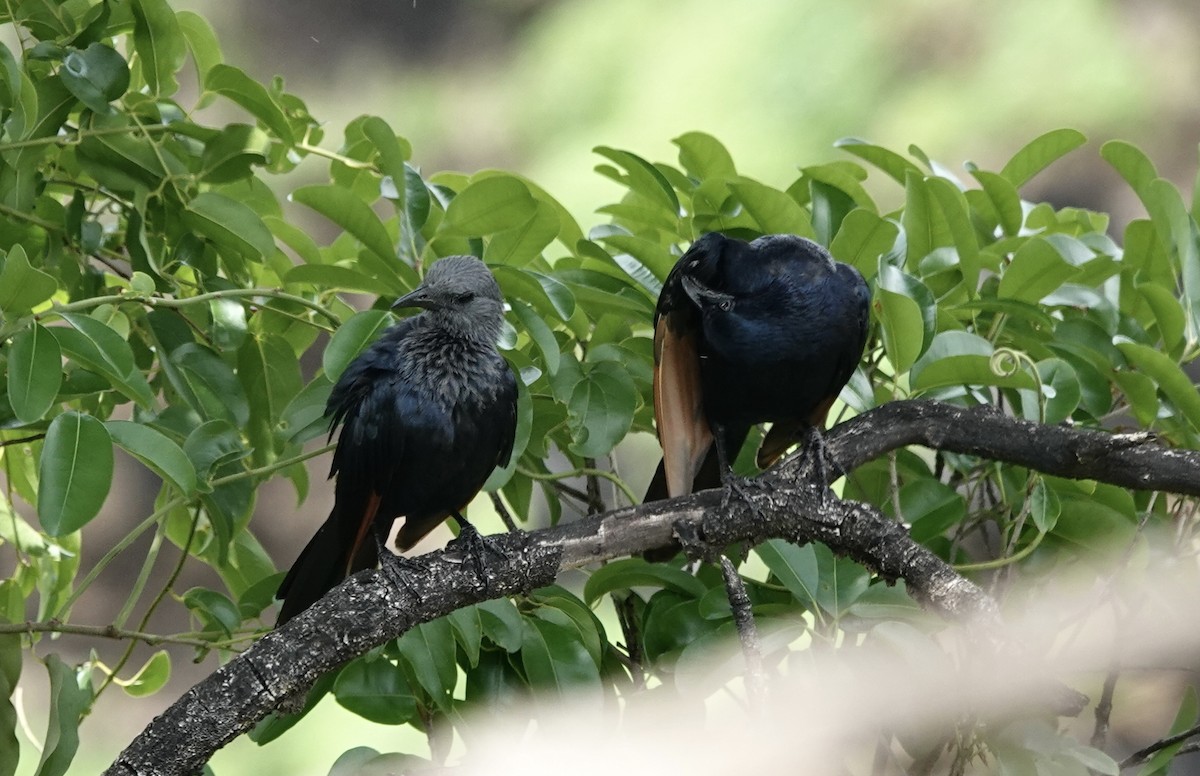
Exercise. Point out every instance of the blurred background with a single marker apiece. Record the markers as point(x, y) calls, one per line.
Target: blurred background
point(533, 85)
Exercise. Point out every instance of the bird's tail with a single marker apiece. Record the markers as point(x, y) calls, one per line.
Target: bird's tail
point(339, 548)
point(708, 476)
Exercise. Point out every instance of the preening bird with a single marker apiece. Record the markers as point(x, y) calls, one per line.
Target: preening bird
point(426, 413)
point(748, 333)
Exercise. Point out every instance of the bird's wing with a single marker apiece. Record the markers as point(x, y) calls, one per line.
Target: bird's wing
point(856, 326)
point(683, 431)
point(508, 430)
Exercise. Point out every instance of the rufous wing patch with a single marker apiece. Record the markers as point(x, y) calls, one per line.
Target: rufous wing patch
point(683, 430)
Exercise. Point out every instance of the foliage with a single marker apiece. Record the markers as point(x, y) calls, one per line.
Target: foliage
point(157, 296)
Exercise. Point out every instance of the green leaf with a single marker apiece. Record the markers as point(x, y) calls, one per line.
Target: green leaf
point(540, 333)
point(554, 658)
point(671, 623)
point(902, 303)
point(34, 373)
point(376, 689)
point(842, 581)
point(954, 209)
point(159, 43)
point(70, 699)
point(558, 605)
point(75, 473)
point(1061, 389)
point(1171, 380)
point(96, 76)
point(931, 507)
point(336, 277)
point(522, 244)
point(862, 238)
point(201, 42)
point(429, 651)
point(1168, 314)
point(212, 444)
point(230, 224)
point(961, 358)
point(150, 678)
point(22, 286)
point(600, 409)
point(96, 347)
point(351, 338)
point(1039, 153)
point(1004, 198)
point(1131, 163)
point(773, 210)
point(1036, 270)
point(217, 614)
point(643, 178)
point(231, 154)
point(925, 226)
point(10, 748)
point(890, 162)
point(795, 567)
point(501, 623)
point(157, 451)
point(352, 214)
point(703, 156)
point(468, 632)
point(392, 154)
point(209, 384)
point(1044, 506)
point(250, 94)
point(490, 205)
point(634, 572)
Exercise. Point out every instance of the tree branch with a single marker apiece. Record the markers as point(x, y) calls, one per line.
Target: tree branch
point(373, 607)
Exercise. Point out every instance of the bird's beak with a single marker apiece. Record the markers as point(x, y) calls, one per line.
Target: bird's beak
point(418, 297)
point(702, 295)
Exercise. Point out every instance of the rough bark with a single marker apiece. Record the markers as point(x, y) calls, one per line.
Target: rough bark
point(375, 606)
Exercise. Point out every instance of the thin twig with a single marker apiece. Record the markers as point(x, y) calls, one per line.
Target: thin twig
point(1144, 754)
point(743, 619)
point(502, 510)
point(627, 617)
point(1104, 708)
point(115, 633)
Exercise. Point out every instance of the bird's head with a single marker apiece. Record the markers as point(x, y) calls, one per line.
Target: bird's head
point(461, 295)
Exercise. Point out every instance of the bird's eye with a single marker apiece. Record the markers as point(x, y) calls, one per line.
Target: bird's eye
point(464, 297)
point(726, 305)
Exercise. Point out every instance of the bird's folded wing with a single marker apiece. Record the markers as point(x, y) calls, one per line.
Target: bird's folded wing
point(683, 430)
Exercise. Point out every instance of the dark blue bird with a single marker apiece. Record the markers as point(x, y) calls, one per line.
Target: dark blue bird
point(748, 333)
point(426, 413)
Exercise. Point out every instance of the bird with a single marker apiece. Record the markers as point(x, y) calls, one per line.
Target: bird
point(426, 413)
point(748, 333)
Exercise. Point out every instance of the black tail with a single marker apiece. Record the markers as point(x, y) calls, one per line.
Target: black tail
point(708, 477)
point(322, 565)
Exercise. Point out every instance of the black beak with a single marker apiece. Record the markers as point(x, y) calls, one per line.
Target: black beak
point(418, 297)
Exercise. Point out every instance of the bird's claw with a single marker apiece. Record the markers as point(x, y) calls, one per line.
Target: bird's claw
point(740, 486)
point(695, 546)
point(475, 545)
point(403, 570)
point(820, 463)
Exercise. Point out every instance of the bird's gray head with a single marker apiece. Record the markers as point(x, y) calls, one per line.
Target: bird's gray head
point(462, 296)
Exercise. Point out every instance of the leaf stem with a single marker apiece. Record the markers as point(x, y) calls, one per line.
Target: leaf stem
point(158, 301)
point(585, 472)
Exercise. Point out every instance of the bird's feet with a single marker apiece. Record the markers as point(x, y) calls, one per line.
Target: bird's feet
point(475, 546)
point(819, 461)
point(734, 485)
point(402, 569)
point(695, 547)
